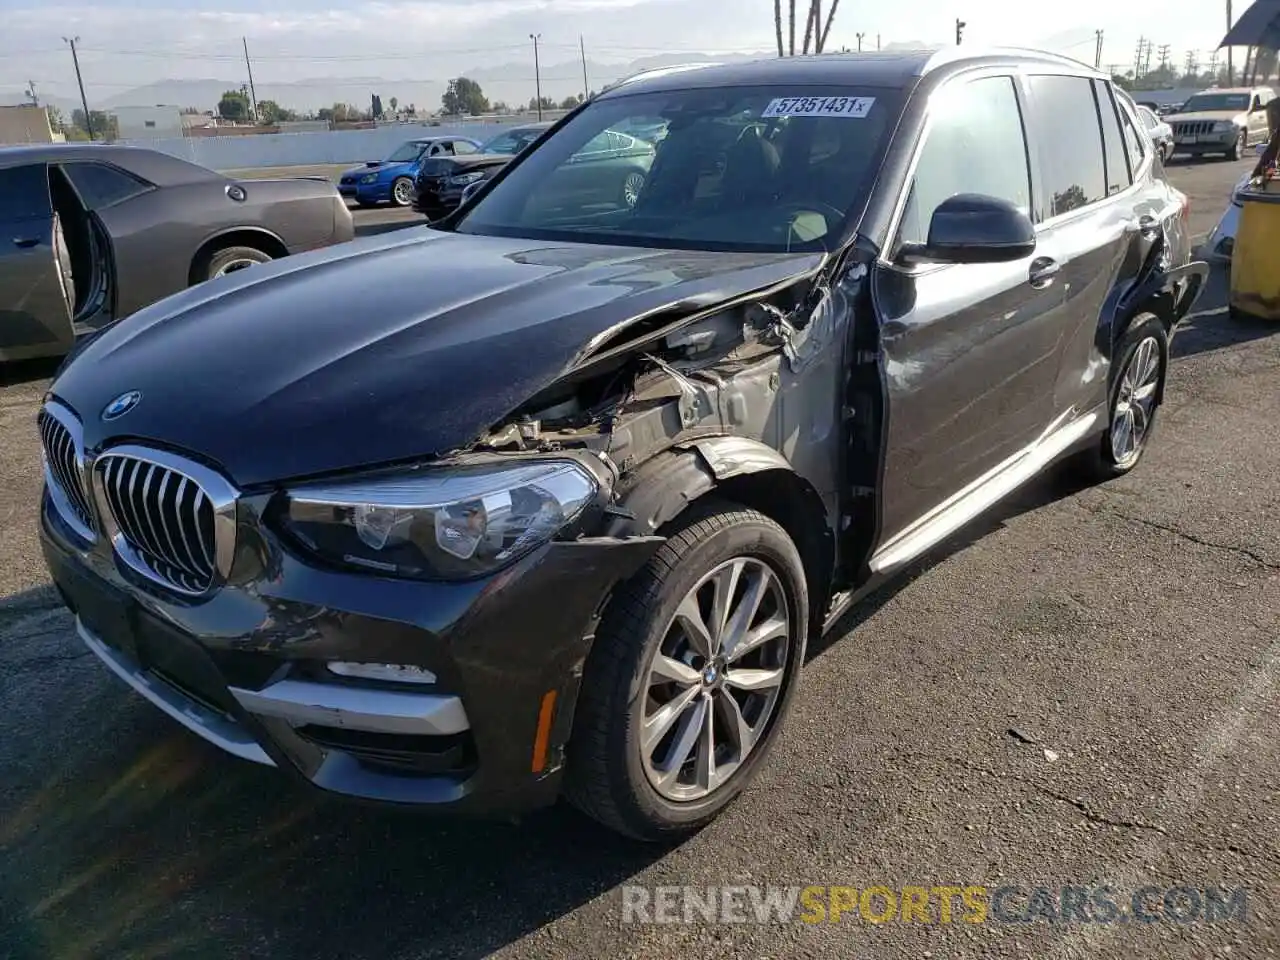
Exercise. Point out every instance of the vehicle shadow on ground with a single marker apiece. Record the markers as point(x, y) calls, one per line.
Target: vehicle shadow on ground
point(122, 834)
point(1210, 326)
point(26, 371)
point(1056, 483)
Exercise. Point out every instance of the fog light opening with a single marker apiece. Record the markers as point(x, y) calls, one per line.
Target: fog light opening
point(385, 672)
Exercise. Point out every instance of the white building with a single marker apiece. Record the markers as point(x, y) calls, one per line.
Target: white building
point(148, 123)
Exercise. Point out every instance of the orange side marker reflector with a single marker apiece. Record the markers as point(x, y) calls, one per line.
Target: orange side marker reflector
point(543, 736)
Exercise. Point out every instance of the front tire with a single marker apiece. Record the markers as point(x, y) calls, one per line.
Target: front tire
point(1133, 400)
point(402, 192)
point(692, 673)
point(1240, 146)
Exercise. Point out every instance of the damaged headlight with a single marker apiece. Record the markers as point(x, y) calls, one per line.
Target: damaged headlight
point(449, 523)
point(462, 179)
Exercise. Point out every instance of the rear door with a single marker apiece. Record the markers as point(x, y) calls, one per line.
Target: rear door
point(969, 349)
point(35, 318)
point(1094, 227)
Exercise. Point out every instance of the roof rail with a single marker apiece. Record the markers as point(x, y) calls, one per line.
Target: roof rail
point(661, 72)
point(951, 54)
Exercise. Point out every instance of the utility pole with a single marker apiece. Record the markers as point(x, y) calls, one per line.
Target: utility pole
point(88, 118)
point(586, 88)
point(253, 93)
point(31, 92)
point(960, 25)
point(859, 36)
point(537, 72)
point(1137, 60)
point(1164, 56)
point(1192, 65)
point(1146, 59)
point(1231, 70)
point(1097, 49)
point(877, 43)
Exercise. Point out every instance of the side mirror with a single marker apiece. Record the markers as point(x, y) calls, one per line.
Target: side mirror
point(975, 228)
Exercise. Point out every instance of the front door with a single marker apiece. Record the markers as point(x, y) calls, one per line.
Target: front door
point(969, 350)
point(35, 318)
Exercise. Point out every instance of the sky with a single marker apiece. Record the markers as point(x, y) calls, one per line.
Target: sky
point(125, 43)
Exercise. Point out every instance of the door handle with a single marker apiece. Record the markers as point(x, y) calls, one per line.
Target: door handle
point(1146, 225)
point(25, 242)
point(1043, 270)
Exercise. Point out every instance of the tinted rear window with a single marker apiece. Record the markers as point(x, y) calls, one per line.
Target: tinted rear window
point(1065, 126)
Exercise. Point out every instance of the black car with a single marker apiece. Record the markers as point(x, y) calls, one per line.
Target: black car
point(90, 233)
point(549, 498)
point(441, 182)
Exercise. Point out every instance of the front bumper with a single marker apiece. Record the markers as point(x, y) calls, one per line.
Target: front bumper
point(366, 192)
point(437, 202)
point(1209, 143)
point(246, 668)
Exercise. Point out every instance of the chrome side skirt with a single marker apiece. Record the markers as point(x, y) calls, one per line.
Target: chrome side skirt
point(953, 513)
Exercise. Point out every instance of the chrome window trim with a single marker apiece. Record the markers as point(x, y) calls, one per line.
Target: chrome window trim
point(71, 423)
point(222, 495)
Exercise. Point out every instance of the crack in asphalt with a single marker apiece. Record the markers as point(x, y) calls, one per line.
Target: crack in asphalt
point(1125, 824)
point(1201, 541)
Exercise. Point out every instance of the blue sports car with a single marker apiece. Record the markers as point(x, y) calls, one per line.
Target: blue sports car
point(391, 180)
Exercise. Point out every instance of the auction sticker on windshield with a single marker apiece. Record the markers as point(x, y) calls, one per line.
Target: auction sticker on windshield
point(856, 107)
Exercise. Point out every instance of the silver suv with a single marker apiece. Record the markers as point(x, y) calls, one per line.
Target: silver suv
point(1223, 121)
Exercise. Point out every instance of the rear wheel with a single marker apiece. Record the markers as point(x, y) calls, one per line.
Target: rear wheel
point(1142, 360)
point(692, 673)
point(632, 184)
point(233, 259)
point(402, 192)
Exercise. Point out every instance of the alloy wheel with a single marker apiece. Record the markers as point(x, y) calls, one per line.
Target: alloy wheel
point(232, 266)
point(1135, 402)
point(715, 679)
point(402, 193)
point(631, 188)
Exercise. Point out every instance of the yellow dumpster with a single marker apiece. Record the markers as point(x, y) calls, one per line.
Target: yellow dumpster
point(1255, 258)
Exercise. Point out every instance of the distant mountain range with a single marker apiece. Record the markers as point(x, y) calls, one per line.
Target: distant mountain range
point(510, 82)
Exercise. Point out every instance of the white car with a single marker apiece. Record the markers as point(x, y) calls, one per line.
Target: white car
point(1160, 132)
point(1222, 237)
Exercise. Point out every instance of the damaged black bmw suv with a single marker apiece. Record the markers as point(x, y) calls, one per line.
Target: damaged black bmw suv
point(547, 498)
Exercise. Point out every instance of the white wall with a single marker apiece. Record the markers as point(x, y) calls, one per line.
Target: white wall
point(132, 122)
point(293, 149)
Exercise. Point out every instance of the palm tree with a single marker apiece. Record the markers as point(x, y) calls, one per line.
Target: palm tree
point(793, 27)
point(777, 24)
point(808, 26)
point(831, 15)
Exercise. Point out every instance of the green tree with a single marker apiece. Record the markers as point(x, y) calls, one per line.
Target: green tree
point(394, 103)
point(547, 103)
point(56, 120)
point(234, 105)
point(270, 112)
point(464, 98)
point(105, 125)
point(1124, 83)
point(568, 103)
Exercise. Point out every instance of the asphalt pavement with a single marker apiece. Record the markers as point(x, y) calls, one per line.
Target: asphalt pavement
point(1080, 689)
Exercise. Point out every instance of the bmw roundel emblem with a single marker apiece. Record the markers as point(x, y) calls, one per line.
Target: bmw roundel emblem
point(121, 405)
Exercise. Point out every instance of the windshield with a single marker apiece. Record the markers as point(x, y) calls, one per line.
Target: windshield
point(737, 168)
point(1206, 102)
point(407, 152)
point(510, 142)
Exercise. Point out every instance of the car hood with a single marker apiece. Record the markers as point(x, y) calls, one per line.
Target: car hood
point(1217, 115)
point(380, 350)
